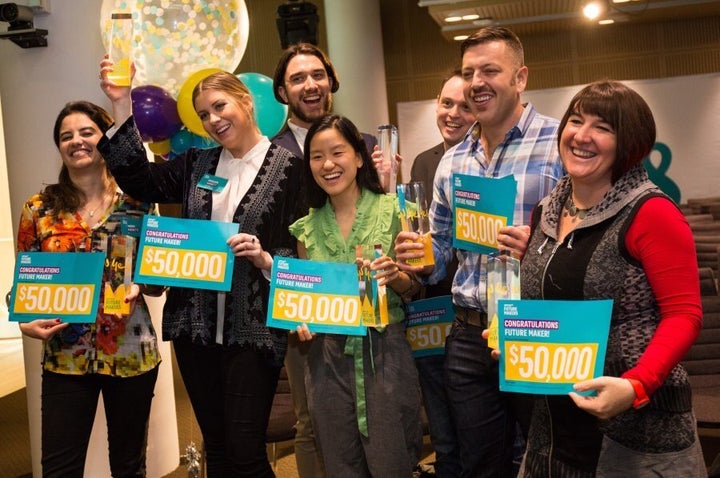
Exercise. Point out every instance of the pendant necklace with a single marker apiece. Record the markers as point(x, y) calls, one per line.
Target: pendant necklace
point(92, 213)
point(573, 211)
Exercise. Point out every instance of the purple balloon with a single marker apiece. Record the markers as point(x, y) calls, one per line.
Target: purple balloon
point(155, 112)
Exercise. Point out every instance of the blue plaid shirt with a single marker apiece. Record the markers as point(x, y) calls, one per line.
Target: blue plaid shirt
point(529, 152)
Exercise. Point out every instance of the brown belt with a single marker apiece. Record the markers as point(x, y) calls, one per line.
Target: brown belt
point(471, 316)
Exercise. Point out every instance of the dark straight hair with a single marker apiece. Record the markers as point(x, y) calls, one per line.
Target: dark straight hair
point(628, 114)
point(367, 176)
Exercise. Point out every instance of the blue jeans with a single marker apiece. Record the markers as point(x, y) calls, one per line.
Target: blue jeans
point(442, 429)
point(483, 415)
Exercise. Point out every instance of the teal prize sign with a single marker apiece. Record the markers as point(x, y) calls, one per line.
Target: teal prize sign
point(427, 325)
point(548, 345)
point(481, 206)
point(323, 295)
point(49, 285)
point(185, 253)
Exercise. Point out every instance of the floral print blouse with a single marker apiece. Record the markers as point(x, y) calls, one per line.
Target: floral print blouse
point(119, 346)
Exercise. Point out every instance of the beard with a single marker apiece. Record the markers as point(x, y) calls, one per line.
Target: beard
point(296, 110)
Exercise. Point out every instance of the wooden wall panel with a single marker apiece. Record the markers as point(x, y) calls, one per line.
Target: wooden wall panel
point(417, 56)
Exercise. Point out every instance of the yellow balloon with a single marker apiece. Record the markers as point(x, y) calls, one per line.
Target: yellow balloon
point(160, 147)
point(186, 109)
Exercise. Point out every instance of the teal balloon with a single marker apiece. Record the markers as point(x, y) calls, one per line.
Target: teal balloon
point(182, 141)
point(269, 114)
point(203, 142)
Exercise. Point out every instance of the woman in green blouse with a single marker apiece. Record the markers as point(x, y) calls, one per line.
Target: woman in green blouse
point(362, 391)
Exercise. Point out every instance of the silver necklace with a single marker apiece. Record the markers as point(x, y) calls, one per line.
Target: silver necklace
point(91, 213)
point(573, 211)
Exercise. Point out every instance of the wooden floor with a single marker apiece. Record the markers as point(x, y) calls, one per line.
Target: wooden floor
point(15, 458)
point(15, 461)
point(12, 377)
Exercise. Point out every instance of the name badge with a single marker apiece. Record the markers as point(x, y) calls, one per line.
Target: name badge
point(212, 183)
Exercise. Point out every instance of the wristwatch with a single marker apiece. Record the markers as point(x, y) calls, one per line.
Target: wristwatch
point(641, 398)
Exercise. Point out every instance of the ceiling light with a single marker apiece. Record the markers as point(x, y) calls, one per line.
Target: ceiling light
point(592, 10)
point(460, 37)
point(453, 19)
point(474, 16)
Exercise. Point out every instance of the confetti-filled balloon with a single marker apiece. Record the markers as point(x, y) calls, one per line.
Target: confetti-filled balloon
point(174, 38)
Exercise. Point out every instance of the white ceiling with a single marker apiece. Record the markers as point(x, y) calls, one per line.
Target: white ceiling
point(537, 16)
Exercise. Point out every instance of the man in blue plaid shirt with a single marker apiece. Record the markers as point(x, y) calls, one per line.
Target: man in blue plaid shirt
point(508, 138)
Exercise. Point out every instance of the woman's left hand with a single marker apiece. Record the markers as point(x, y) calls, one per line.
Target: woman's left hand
point(614, 396)
point(133, 293)
point(247, 245)
point(303, 333)
point(385, 270)
point(130, 296)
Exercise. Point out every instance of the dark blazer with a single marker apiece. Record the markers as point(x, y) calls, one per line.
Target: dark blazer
point(286, 139)
point(423, 169)
point(425, 165)
point(274, 201)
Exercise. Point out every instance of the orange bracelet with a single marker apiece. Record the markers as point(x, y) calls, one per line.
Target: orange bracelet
point(641, 398)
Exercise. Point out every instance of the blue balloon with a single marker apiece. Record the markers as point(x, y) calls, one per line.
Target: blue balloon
point(203, 142)
point(182, 141)
point(269, 114)
point(155, 113)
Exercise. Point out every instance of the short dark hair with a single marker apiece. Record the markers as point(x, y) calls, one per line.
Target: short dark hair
point(367, 176)
point(494, 33)
point(628, 114)
point(302, 49)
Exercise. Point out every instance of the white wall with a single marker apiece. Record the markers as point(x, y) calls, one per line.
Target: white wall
point(34, 85)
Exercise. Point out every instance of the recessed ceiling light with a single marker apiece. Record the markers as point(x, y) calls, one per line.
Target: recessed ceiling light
point(592, 10)
point(453, 19)
point(460, 37)
point(606, 21)
point(474, 16)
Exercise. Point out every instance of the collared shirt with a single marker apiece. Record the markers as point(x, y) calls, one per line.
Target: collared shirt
point(300, 134)
point(240, 173)
point(529, 153)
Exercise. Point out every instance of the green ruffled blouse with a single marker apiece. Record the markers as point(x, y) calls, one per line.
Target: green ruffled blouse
point(376, 222)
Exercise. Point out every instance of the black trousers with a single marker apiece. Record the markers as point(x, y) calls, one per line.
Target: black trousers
point(231, 389)
point(69, 403)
